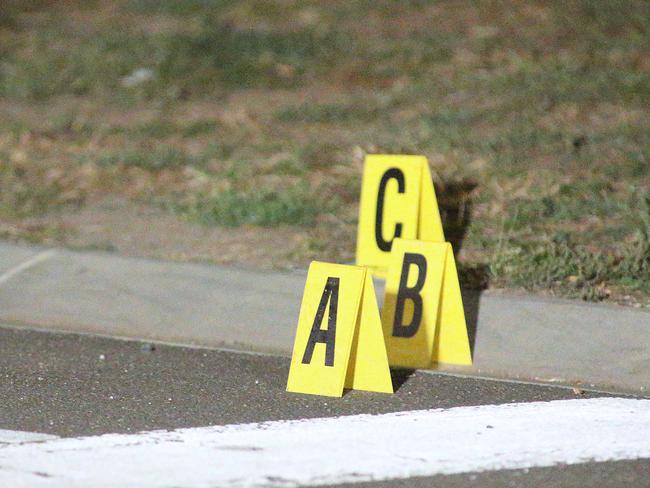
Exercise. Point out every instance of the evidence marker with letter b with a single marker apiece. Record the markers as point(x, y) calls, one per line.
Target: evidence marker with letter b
point(397, 201)
point(339, 341)
point(423, 317)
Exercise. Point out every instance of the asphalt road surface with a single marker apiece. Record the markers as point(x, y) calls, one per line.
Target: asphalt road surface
point(76, 386)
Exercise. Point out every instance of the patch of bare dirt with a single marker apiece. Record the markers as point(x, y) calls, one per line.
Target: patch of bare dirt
point(141, 230)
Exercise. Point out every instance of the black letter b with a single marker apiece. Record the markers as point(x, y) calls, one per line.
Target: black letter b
point(404, 292)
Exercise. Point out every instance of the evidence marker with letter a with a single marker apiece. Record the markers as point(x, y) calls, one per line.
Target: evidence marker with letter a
point(339, 341)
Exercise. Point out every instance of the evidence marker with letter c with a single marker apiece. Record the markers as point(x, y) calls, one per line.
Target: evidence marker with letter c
point(423, 316)
point(339, 341)
point(397, 201)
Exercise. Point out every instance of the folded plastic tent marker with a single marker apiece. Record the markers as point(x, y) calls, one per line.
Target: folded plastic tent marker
point(339, 341)
point(398, 200)
point(423, 316)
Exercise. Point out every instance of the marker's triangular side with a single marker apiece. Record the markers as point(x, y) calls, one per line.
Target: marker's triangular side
point(429, 222)
point(452, 344)
point(368, 366)
point(319, 362)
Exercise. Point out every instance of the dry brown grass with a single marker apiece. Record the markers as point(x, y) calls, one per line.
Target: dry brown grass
point(254, 118)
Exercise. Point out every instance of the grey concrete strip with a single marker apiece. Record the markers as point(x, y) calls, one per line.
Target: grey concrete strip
point(13, 256)
point(529, 338)
point(25, 265)
point(172, 302)
point(605, 346)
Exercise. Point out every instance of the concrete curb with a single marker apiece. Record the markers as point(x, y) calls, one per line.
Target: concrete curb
point(527, 338)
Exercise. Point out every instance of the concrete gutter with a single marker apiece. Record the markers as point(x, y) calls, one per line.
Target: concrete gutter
point(594, 346)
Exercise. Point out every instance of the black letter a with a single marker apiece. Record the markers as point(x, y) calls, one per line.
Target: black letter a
point(326, 336)
point(404, 293)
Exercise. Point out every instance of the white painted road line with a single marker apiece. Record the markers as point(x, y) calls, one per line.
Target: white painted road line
point(19, 437)
point(31, 262)
point(342, 449)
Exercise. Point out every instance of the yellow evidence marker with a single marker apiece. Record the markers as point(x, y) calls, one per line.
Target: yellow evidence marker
point(423, 316)
point(339, 340)
point(397, 200)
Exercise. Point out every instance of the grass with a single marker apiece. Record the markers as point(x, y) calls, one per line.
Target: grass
point(20, 197)
point(152, 160)
point(218, 51)
point(574, 269)
point(265, 208)
point(258, 113)
point(330, 113)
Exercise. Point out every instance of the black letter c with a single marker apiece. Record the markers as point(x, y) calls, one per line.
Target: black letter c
point(395, 174)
